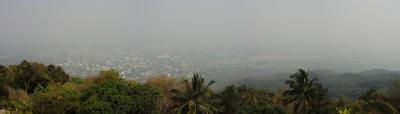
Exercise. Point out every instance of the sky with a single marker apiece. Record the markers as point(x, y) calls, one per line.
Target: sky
point(335, 27)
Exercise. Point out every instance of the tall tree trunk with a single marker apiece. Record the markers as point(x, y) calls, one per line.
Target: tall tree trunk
point(295, 110)
point(304, 108)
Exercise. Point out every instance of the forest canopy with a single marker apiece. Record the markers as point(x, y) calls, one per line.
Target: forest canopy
point(32, 87)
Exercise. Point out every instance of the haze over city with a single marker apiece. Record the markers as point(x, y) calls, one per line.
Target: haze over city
point(362, 34)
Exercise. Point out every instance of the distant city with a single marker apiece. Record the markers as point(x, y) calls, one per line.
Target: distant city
point(225, 65)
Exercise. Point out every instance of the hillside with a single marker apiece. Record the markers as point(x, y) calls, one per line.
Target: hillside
point(350, 85)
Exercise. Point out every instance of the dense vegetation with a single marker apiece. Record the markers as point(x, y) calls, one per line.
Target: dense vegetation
point(351, 85)
point(31, 87)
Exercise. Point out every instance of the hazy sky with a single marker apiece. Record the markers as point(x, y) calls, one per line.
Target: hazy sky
point(330, 26)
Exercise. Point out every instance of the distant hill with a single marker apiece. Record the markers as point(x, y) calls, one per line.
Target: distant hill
point(377, 72)
point(351, 85)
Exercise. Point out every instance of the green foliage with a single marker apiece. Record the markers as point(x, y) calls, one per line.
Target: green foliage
point(244, 100)
point(13, 105)
point(5, 80)
point(194, 98)
point(57, 74)
point(354, 105)
point(325, 106)
point(351, 85)
point(373, 94)
point(54, 99)
point(119, 97)
point(28, 75)
point(268, 109)
point(394, 94)
point(55, 93)
point(343, 110)
point(376, 102)
point(16, 101)
point(372, 101)
point(76, 80)
point(303, 91)
point(231, 100)
point(379, 107)
point(107, 75)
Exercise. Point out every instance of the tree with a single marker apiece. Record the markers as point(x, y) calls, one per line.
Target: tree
point(16, 101)
point(374, 101)
point(379, 107)
point(107, 75)
point(5, 81)
point(166, 85)
point(194, 96)
point(28, 75)
point(303, 91)
point(373, 94)
point(79, 85)
point(54, 99)
point(323, 106)
point(394, 94)
point(247, 100)
point(119, 97)
point(231, 100)
point(13, 105)
point(57, 74)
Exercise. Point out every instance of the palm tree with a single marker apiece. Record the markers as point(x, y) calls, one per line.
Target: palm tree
point(303, 91)
point(192, 99)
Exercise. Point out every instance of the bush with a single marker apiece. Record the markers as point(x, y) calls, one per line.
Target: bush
point(119, 97)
